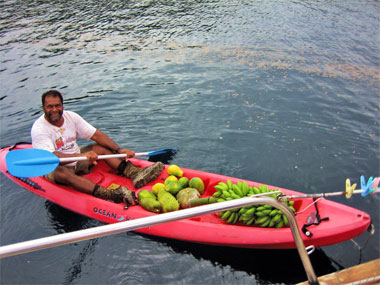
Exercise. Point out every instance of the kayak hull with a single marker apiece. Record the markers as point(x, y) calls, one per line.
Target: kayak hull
point(343, 222)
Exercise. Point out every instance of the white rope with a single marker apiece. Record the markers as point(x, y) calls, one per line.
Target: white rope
point(311, 204)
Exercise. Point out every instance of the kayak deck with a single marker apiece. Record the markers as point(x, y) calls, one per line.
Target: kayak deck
point(343, 222)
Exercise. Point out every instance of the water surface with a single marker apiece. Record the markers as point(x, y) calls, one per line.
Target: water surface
point(280, 92)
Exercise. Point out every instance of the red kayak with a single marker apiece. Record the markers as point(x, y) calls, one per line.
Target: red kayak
point(337, 222)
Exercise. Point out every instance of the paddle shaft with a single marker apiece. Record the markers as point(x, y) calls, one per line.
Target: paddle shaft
point(54, 159)
point(105, 156)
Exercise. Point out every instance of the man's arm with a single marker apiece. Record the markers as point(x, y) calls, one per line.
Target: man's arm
point(102, 139)
point(91, 156)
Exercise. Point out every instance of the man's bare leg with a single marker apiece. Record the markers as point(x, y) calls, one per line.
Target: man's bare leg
point(65, 176)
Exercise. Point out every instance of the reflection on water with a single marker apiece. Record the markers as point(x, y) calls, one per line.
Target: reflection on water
point(274, 266)
point(76, 267)
point(64, 221)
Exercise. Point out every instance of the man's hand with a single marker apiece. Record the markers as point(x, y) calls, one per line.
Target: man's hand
point(92, 157)
point(128, 152)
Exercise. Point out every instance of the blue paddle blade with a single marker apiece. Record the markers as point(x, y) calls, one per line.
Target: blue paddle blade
point(31, 162)
point(161, 151)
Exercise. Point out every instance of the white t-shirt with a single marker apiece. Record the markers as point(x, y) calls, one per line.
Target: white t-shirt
point(63, 139)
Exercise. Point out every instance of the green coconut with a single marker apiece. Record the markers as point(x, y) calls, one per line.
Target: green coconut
point(184, 197)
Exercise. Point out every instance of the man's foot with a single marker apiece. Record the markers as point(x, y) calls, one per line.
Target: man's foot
point(123, 195)
point(147, 174)
point(118, 195)
point(141, 176)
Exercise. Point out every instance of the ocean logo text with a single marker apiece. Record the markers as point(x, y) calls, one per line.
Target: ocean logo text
point(109, 214)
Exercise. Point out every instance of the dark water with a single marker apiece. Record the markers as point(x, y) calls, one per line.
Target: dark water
point(280, 92)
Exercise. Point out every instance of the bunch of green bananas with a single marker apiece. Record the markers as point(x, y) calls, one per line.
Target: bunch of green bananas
point(261, 215)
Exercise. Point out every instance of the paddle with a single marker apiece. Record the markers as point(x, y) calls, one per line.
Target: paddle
point(33, 162)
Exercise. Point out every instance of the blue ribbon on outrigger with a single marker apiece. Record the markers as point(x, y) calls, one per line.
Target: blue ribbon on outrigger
point(370, 186)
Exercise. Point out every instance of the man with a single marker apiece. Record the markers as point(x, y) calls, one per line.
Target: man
point(57, 130)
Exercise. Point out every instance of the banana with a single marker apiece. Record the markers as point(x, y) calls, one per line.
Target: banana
point(271, 223)
point(239, 184)
point(291, 208)
point(261, 208)
point(277, 218)
point(256, 190)
point(246, 218)
point(220, 188)
point(262, 220)
point(244, 188)
point(236, 218)
point(226, 215)
point(243, 210)
point(246, 209)
point(223, 185)
point(233, 195)
point(237, 190)
point(274, 212)
point(262, 213)
point(231, 218)
point(285, 220)
point(250, 221)
point(248, 213)
point(251, 211)
point(279, 225)
point(263, 188)
point(265, 224)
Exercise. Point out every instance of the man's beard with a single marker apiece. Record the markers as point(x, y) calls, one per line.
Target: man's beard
point(56, 118)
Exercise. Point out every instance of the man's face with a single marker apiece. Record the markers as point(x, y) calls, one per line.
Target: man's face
point(53, 109)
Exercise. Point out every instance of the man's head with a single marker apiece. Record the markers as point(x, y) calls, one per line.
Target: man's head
point(52, 104)
point(52, 93)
